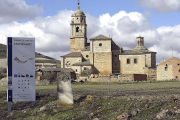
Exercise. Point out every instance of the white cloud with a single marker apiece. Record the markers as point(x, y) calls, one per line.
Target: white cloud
point(11, 10)
point(161, 5)
point(52, 33)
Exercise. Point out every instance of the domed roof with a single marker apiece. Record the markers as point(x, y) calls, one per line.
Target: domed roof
point(78, 12)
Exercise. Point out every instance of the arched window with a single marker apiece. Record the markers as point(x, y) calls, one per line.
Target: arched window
point(82, 20)
point(77, 29)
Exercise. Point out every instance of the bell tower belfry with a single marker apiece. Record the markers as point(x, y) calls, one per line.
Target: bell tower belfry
point(140, 44)
point(78, 31)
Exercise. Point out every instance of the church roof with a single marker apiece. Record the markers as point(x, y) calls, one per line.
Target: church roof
point(135, 52)
point(140, 48)
point(101, 37)
point(84, 63)
point(73, 54)
point(170, 61)
point(78, 12)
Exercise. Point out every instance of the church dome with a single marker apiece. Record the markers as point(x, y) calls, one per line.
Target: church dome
point(78, 12)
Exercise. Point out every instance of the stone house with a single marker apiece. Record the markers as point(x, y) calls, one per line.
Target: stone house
point(51, 73)
point(102, 55)
point(168, 69)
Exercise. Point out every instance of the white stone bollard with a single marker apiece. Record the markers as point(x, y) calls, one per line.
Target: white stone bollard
point(65, 96)
point(64, 91)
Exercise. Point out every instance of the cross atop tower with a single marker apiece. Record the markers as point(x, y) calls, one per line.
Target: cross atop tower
point(78, 5)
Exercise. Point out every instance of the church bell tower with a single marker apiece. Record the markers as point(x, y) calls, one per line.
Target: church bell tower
point(78, 31)
point(140, 44)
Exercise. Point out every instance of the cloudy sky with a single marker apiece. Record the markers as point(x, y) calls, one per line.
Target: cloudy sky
point(158, 21)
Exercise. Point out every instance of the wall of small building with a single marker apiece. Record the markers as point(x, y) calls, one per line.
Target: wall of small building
point(115, 61)
point(72, 60)
point(153, 60)
point(176, 69)
point(102, 63)
point(77, 69)
point(163, 74)
point(132, 68)
point(80, 69)
point(172, 71)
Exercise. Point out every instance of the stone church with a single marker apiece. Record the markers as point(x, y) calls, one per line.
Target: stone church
point(102, 55)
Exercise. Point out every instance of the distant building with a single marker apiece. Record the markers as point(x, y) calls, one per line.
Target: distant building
point(44, 65)
point(102, 56)
point(168, 69)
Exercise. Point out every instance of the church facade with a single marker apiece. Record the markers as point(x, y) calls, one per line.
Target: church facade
point(102, 55)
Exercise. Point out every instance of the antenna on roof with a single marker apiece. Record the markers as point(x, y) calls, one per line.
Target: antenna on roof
point(172, 51)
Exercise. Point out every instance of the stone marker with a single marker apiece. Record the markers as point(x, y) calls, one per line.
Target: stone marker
point(64, 92)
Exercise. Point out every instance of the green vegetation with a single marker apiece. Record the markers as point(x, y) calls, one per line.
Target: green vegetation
point(109, 101)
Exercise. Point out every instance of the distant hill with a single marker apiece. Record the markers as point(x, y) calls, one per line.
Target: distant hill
point(2, 51)
point(40, 58)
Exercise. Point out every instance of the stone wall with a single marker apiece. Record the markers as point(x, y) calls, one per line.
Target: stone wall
point(77, 44)
point(125, 78)
point(115, 61)
point(3, 63)
point(119, 78)
point(100, 79)
point(151, 73)
point(105, 46)
point(169, 69)
point(153, 60)
point(72, 60)
point(163, 74)
point(86, 55)
point(132, 68)
point(102, 63)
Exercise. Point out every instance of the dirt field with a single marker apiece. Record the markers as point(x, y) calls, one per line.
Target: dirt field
point(135, 101)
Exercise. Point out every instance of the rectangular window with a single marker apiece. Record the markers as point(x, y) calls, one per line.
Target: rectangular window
point(166, 69)
point(135, 60)
point(84, 68)
point(128, 61)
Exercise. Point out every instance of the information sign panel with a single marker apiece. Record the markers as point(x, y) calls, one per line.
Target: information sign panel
point(21, 69)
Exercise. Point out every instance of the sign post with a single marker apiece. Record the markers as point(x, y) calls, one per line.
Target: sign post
point(21, 70)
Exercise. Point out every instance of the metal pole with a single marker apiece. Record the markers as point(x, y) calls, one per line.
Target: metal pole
point(33, 103)
point(9, 106)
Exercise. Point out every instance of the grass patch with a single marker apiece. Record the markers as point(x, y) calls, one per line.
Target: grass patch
point(107, 104)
